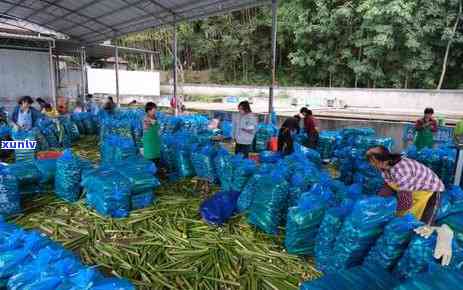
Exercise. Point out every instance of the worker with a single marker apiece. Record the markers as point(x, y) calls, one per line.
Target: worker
point(244, 129)
point(288, 130)
point(44, 105)
point(109, 105)
point(151, 139)
point(90, 105)
point(425, 129)
point(310, 126)
point(418, 191)
point(24, 116)
point(62, 105)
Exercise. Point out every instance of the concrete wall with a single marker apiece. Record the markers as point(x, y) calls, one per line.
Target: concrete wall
point(23, 73)
point(444, 100)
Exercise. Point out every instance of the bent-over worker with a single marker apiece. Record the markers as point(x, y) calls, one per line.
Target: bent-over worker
point(418, 190)
point(288, 129)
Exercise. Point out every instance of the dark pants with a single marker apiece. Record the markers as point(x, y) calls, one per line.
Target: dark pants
point(431, 209)
point(285, 141)
point(312, 143)
point(243, 149)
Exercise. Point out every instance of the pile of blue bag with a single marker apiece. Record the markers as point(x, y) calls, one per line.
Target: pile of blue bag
point(202, 158)
point(233, 171)
point(86, 122)
point(304, 219)
point(327, 141)
point(441, 160)
point(360, 230)
point(49, 129)
point(28, 177)
point(10, 200)
point(68, 176)
point(5, 130)
point(108, 192)
point(114, 190)
point(31, 261)
point(269, 202)
point(263, 135)
point(23, 154)
point(69, 132)
point(115, 148)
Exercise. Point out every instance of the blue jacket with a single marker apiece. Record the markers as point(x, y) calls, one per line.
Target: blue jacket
point(35, 114)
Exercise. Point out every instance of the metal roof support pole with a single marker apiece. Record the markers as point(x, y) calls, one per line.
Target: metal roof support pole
point(116, 68)
point(52, 74)
point(57, 74)
point(174, 68)
point(84, 71)
point(151, 62)
point(82, 76)
point(274, 58)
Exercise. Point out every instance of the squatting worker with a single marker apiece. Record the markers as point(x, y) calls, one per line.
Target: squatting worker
point(24, 116)
point(288, 130)
point(244, 129)
point(151, 139)
point(418, 188)
point(310, 126)
point(425, 129)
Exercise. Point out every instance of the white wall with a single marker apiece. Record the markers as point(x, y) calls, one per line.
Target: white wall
point(103, 81)
point(408, 100)
point(23, 73)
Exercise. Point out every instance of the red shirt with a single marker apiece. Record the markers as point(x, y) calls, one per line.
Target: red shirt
point(420, 123)
point(310, 125)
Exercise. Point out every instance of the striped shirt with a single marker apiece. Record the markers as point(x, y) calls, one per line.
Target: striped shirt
point(410, 175)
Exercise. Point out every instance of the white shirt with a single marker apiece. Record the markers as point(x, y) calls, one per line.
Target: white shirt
point(248, 122)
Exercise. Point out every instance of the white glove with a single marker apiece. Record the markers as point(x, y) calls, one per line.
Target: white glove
point(444, 245)
point(425, 231)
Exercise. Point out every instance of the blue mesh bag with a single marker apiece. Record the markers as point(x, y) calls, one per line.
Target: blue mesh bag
point(269, 205)
point(226, 127)
point(224, 169)
point(20, 250)
point(393, 243)
point(247, 195)
point(23, 155)
point(439, 279)
point(47, 169)
point(27, 176)
point(67, 179)
point(10, 200)
point(269, 157)
point(455, 194)
point(419, 257)
point(361, 229)
point(303, 222)
point(327, 143)
point(358, 278)
point(326, 237)
point(143, 200)
point(113, 283)
point(219, 208)
point(243, 169)
point(108, 192)
point(78, 120)
point(349, 136)
point(42, 142)
point(263, 135)
point(49, 130)
point(48, 267)
point(203, 162)
point(312, 155)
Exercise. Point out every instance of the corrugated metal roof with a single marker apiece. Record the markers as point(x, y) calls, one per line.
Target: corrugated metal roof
point(93, 21)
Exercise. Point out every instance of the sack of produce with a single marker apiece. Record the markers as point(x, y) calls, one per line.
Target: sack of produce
point(361, 229)
point(68, 175)
point(393, 243)
point(218, 209)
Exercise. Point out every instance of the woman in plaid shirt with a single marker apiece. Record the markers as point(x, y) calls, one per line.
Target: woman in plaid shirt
point(418, 188)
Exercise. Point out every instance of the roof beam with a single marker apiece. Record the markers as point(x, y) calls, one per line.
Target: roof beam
point(76, 12)
point(70, 12)
point(45, 7)
point(14, 6)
